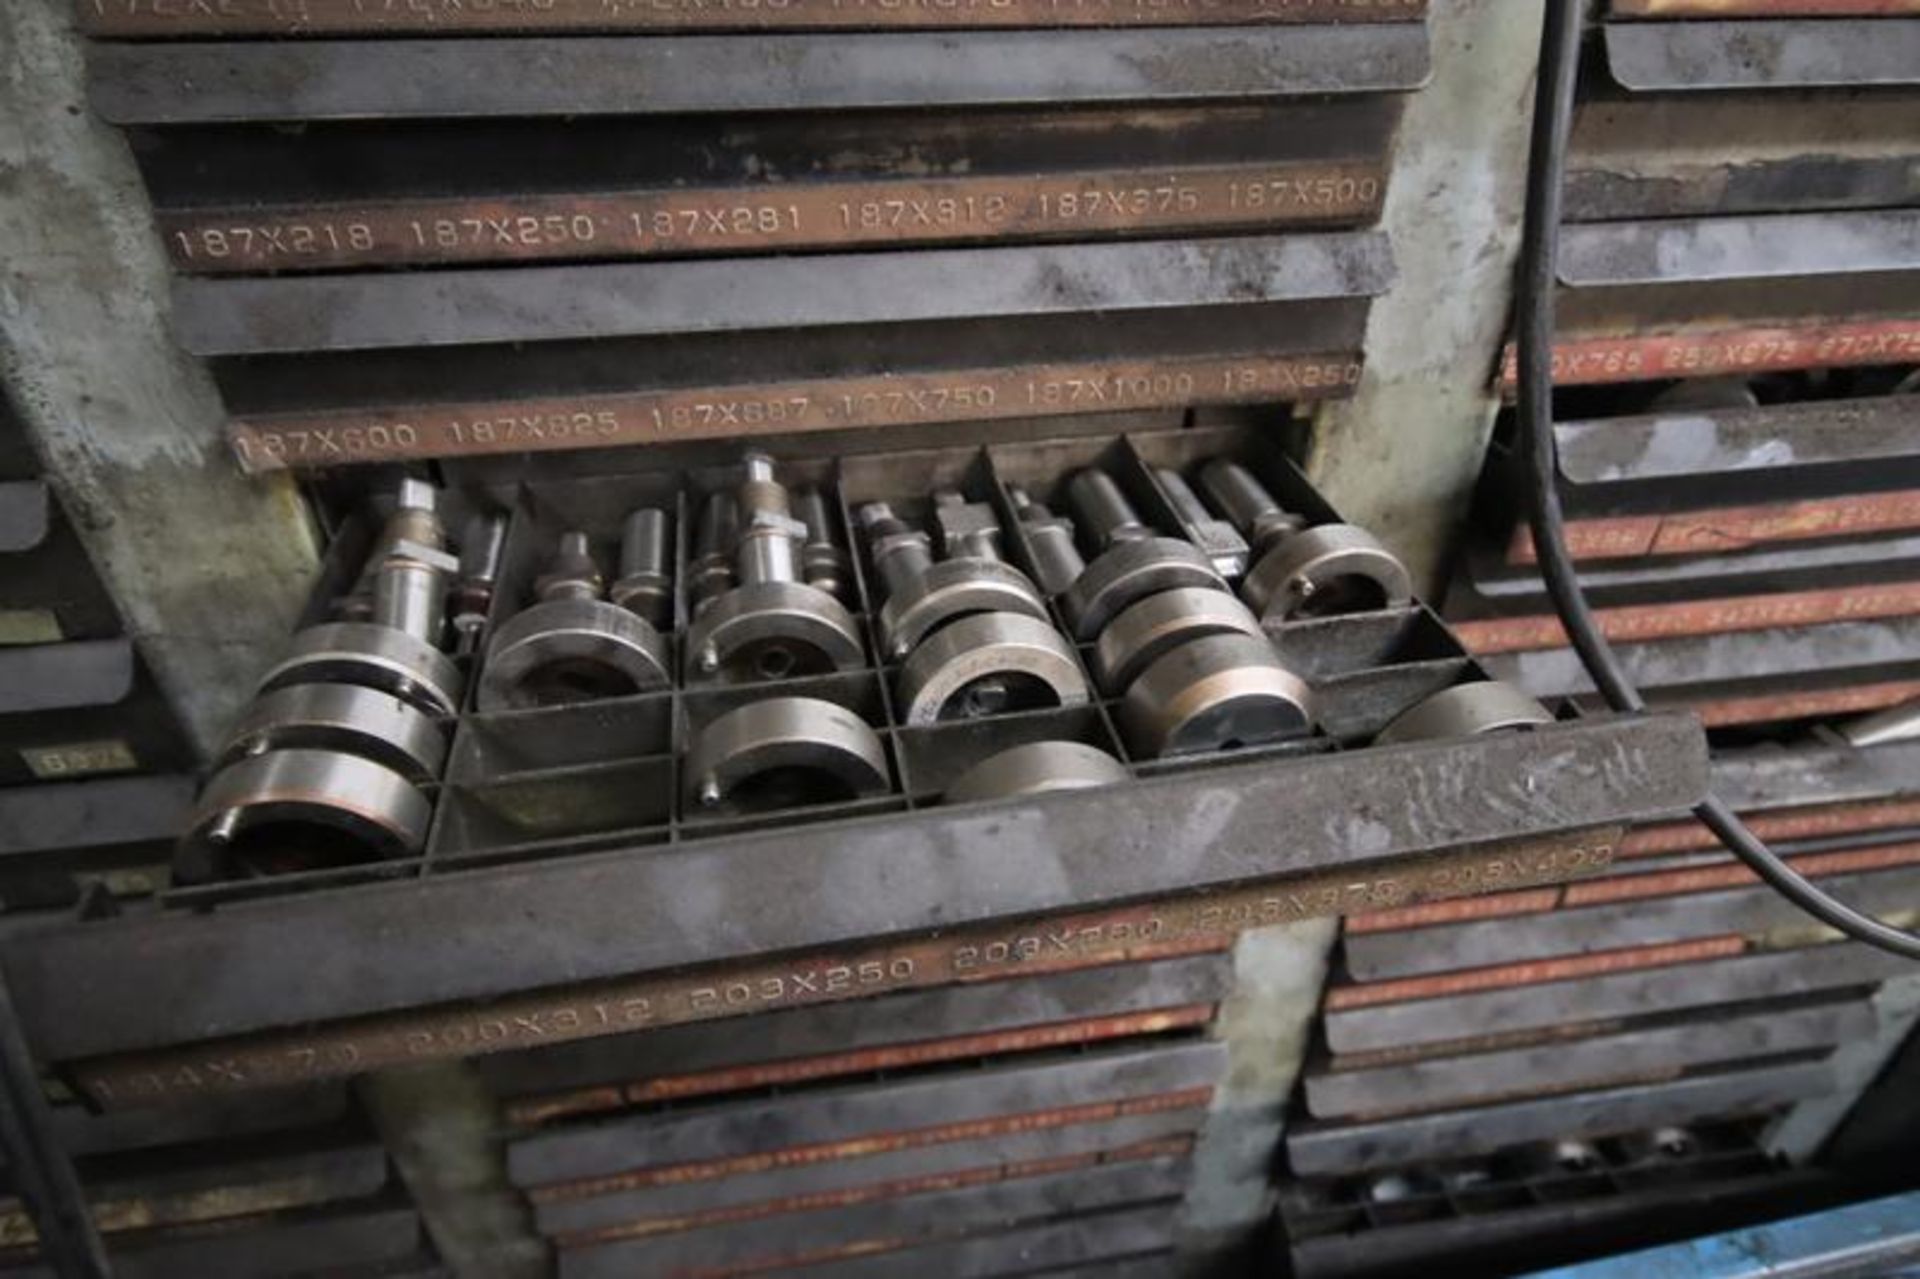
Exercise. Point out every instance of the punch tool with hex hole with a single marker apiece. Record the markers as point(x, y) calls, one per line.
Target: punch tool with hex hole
point(971, 632)
point(764, 618)
point(328, 763)
point(574, 644)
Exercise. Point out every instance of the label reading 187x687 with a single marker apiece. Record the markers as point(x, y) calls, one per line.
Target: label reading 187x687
point(336, 437)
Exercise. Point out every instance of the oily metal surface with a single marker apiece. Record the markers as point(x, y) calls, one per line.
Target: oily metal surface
point(136, 19)
point(1709, 350)
point(950, 589)
point(826, 741)
point(643, 1063)
point(1686, 250)
point(1128, 572)
point(346, 717)
point(1535, 997)
point(1468, 1078)
point(1464, 711)
point(988, 664)
point(812, 1238)
point(563, 650)
point(367, 809)
point(1150, 1125)
point(1219, 692)
point(585, 1159)
point(375, 656)
point(1682, 664)
point(1607, 926)
point(606, 1008)
point(1761, 53)
point(393, 432)
point(547, 303)
point(1317, 1148)
point(595, 75)
point(1326, 570)
point(698, 220)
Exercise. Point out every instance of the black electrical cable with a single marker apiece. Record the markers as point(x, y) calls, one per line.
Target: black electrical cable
point(1539, 249)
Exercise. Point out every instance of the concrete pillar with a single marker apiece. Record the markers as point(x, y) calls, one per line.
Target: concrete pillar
point(208, 567)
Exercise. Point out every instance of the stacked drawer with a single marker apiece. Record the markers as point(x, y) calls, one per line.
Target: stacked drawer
point(615, 224)
point(982, 1129)
point(92, 762)
point(279, 1183)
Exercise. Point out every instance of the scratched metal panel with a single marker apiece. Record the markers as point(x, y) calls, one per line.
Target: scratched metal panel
point(100, 988)
point(744, 1195)
point(138, 19)
point(79, 673)
point(865, 1024)
point(1690, 250)
point(599, 75)
point(731, 1129)
point(1541, 1005)
point(253, 316)
point(1556, 1063)
point(357, 195)
point(1891, 646)
point(254, 1249)
point(1116, 1233)
point(1377, 956)
point(840, 1233)
point(1672, 156)
point(1647, 56)
point(1320, 1148)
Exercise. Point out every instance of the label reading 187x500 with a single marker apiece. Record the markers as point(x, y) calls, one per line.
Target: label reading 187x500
point(975, 953)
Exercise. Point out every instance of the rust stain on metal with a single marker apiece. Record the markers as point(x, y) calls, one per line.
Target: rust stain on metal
point(1533, 972)
point(862, 1061)
point(352, 1046)
point(1494, 906)
point(1806, 704)
point(141, 19)
point(1763, 8)
point(679, 222)
point(1710, 352)
point(875, 1144)
point(1620, 888)
point(1735, 528)
point(335, 437)
point(876, 1191)
point(1780, 826)
point(1636, 623)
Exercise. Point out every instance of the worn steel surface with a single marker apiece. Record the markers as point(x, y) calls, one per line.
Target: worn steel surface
point(587, 917)
point(1449, 1075)
point(696, 221)
point(1319, 1148)
point(43, 677)
point(826, 1237)
point(383, 433)
point(1763, 53)
point(1540, 994)
point(227, 317)
point(670, 1061)
point(187, 82)
point(1640, 623)
point(1766, 778)
point(1631, 922)
point(138, 19)
point(1147, 1128)
point(250, 1247)
point(1710, 350)
point(1682, 250)
point(117, 810)
point(844, 1121)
